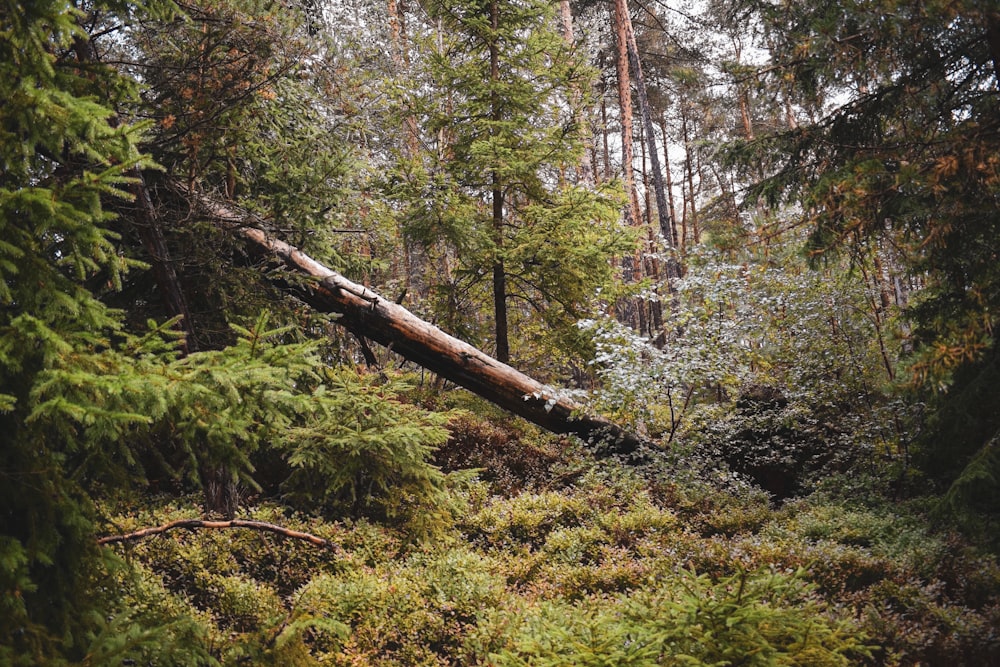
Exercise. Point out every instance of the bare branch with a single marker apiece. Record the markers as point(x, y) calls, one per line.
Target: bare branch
point(191, 524)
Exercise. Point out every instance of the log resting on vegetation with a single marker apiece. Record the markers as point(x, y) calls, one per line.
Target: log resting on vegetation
point(366, 313)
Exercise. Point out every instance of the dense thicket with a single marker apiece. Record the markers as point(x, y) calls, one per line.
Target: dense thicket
point(900, 163)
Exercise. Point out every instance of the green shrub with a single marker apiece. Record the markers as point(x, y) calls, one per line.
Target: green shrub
point(241, 604)
point(509, 460)
point(555, 633)
point(732, 514)
point(153, 626)
point(641, 517)
point(597, 571)
point(918, 624)
point(525, 519)
point(751, 618)
point(366, 453)
point(762, 618)
point(413, 612)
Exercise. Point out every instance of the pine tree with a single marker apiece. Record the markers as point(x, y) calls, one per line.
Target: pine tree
point(529, 240)
point(61, 155)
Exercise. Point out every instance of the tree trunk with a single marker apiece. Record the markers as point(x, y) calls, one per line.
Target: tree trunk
point(606, 176)
point(500, 311)
point(585, 168)
point(651, 322)
point(401, 61)
point(625, 104)
point(364, 312)
point(667, 229)
point(670, 185)
point(666, 225)
point(499, 272)
point(692, 222)
point(415, 256)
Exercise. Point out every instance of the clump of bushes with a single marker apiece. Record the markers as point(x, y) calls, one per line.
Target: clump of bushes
point(778, 443)
point(509, 461)
point(751, 618)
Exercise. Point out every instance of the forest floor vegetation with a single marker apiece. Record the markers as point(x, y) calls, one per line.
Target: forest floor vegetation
point(550, 557)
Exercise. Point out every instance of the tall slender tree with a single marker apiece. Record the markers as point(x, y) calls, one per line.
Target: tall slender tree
point(622, 24)
point(667, 229)
point(512, 82)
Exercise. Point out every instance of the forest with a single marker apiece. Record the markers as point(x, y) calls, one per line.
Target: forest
point(500, 332)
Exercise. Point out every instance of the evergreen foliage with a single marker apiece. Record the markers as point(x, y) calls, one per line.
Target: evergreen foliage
point(608, 569)
point(61, 153)
point(92, 411)
point(500, 103)
point(761, 618)
point(903, 151)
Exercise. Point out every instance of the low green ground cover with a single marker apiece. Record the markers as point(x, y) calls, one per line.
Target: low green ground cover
point(600, 565)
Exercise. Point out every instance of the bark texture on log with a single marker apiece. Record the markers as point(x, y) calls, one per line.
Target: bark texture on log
point(367, 313)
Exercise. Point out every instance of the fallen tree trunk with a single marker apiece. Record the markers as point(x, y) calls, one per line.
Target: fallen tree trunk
point(368, 314)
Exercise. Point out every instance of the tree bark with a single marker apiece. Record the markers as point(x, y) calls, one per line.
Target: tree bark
point(625, 105)
point(584, 169)
point(401, 60)
point(666, 224)
point(499, 271)
point(367, 313)
point(692, 222)
point(670, 185)
point(606, 175)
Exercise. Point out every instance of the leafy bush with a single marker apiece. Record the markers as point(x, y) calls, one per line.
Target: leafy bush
point(780, 444)
point(751, 618)
point(772, 373)
point(556, 633)
point(918, 623)
point(526, 519)
point(600, 570)
point(509, 459)
point(152, 625)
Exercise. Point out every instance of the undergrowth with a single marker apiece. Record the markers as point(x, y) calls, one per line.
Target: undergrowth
point(589, 564)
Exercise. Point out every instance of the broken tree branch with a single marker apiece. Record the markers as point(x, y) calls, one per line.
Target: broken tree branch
point(191, 524)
